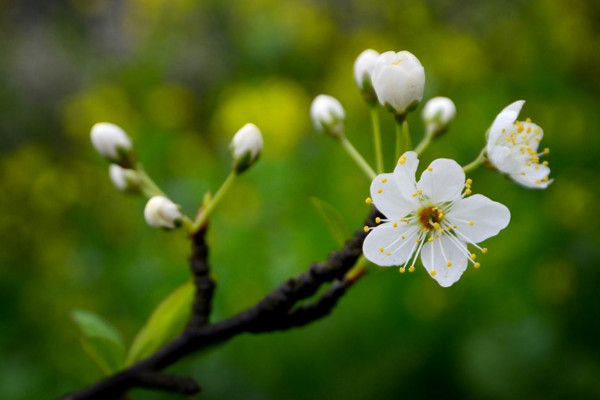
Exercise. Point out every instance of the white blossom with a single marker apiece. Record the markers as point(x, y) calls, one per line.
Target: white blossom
point(513, 148)
point(363, 69)
point(124, 179)
point(246, 147)
point(328, 115)
point(161, 212)
point(110, 141)
point(399, 81)
point(438, 113)
point(433, 217)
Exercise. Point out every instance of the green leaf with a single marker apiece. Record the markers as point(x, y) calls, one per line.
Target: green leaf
point(167, 321)
point(333, 219)
point(100, 340)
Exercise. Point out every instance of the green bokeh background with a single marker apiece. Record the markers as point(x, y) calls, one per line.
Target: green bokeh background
point(181, 77)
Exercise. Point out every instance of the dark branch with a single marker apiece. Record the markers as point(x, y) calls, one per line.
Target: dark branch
point(267, 315)
point(205, 286)
point(168, 383)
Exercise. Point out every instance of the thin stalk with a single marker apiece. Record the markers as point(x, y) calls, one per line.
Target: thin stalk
point(358, 159)
point(377, 138)
point(425, 142)
point(148, 186)
point(201, 220)
point(403, 142)
point(476, 163)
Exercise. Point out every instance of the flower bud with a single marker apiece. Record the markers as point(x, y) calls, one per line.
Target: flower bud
point(328, 115)
point(161, 212)
point(245, 147)
point(111, 142)
point(399, 81)
point(437, 115)
point(363, 69)
point(124, 179)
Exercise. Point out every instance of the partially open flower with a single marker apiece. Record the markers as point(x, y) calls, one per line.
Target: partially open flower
point(328, 115)
point(161, 212)
point(246, 147)
point(399, 81)
point(363, 69)
point(437, 115)
point(513, 148)
point(124, 179)
point(111, 142)
point(432, 217)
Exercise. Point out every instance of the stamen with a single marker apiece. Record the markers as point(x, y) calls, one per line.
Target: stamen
point(368, 200)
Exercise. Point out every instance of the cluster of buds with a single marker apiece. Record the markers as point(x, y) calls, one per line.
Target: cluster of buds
point(127, 175)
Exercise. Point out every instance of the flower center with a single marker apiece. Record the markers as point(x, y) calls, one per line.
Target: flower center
point(430, 218)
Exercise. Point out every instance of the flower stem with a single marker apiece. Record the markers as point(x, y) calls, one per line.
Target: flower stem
point(403, 142)
point(377, 138)
point(425, 142)
point(148, 187)
point(476, 163)
point(358, 159)
point(203, 217)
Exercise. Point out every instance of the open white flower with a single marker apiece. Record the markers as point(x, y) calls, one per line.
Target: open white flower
point(432, 217)
point(161, 212)
point(512, 147)
point(399, 81)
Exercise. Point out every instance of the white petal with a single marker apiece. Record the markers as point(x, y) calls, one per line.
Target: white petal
point(533, 177)
point(442, 181)
point(488, 217)
point(435, 256)
point(387, 238)
point(389, 199)
point(504, 120)
point(404, 173)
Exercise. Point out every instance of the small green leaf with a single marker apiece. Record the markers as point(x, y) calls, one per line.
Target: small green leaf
point(167, 321)
point(100, 340)
point(334, 221)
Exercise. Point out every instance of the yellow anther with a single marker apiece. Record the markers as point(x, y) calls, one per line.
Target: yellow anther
point(388, 254)
point(546, 179)
point(545, 163)
point(528, 163)
point(538, 139)
point(366, 229)
point(528, 120)
point(395, 224)
point(368, 200)
point(381, 249)
point(522, 173)
point(449, 264)
point(538, 181)
point(379, 190)
point(528, 130)
point(429, 169)
point(546, 150)
point(473, 256)
point(537, 131)
point(377, 220)
point(433, 272)
point(484, 250)
point(415, 194)
point(437, 236)
point(384, 180)
point(471, 222)
point(430, 238)
point(469, 181)
point(402, 270)
point(402, 160)
point(411, 268)
point(468, 191)
point(477, 265)
point(420, 191)
point(403, 237)
point(454, 226)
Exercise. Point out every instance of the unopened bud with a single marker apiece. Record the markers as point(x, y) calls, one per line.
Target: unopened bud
point(161, 212)
point(399, 81)
point(246, 147)
point(112, 143)
point(437, 115)
point(328, 115)
point(124, 179)
point(363, 69)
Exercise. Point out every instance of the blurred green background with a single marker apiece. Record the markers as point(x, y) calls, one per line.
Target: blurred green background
point(181, 77)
